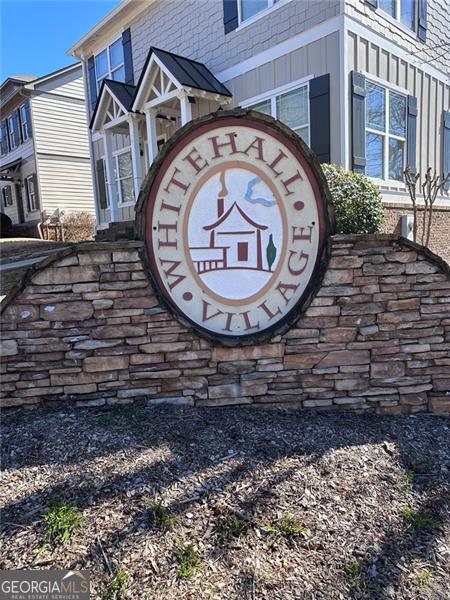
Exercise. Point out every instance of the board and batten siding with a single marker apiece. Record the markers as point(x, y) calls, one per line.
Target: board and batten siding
point(315, 59)
point(61, 144)
point(433, 96)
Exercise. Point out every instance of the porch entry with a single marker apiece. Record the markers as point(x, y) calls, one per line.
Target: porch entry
point(172, 90)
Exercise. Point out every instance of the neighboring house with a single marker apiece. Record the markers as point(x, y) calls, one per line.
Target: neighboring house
point(364, 82)
point(44, 163)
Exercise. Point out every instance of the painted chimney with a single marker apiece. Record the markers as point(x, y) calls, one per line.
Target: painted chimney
point(222, 195)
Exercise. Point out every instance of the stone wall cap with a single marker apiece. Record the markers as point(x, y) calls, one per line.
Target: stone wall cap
point(81, 247)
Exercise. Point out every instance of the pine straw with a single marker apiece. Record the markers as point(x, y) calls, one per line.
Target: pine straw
point(342, 476)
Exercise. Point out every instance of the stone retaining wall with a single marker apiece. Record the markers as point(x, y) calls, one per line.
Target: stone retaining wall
point(85, 327)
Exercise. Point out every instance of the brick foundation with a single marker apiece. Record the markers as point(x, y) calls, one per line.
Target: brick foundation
point(440, 227)
point(86, 328)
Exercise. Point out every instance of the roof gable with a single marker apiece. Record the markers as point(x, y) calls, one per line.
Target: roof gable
point(226, 215)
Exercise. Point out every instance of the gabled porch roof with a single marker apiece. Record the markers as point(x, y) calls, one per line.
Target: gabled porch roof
point(114, 101)
point(166, 74)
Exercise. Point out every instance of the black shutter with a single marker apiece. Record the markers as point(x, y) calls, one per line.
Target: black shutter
point(411, 136)
point(230, 15)
point(319, 117)
point(8, 194)
point(16, 128)
point(36, 191)
point(28, 116)
point(373, 3)
point(446, 147)
point(19, 127)
point(101, 183)
point(358, 122)
point(5, 144)
point(92, 81)
point(422, 20)
point(128, 57)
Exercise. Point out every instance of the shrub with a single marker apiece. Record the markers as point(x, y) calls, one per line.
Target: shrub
point(78, 226)
point(356, 200)
point(5, 224)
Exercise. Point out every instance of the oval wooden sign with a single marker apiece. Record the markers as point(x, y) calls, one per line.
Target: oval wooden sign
point(235, 216)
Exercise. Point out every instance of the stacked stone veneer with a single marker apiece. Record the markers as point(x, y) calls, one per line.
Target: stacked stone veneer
point(87, 328)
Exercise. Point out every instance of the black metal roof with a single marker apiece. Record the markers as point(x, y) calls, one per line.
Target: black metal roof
point(188, 72)
point(122, 91)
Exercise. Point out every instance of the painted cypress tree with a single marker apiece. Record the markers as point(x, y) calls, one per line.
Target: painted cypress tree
point(271, 252)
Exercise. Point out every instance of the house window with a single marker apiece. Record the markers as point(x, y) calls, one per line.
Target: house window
point(4, 138)
point(109, 64)
point(25, 126)
point(385, 133)
point(292, 108)
point(123, 173)
point(401, 10)
point(31, 193)
point(250, 8)
point(11, 133)
point(7, 199)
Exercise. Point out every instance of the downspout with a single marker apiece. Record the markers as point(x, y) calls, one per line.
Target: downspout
point(83, 60)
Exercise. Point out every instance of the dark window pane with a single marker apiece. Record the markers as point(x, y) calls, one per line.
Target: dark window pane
point(101, 64)
point(396, 151)
point(116, 54)
point(292, 108)
point(388, 6)
point(375, 107)
point(118, 74)
point(397, 114)
point(407, 16)
point(252, 7)
point(374, 155)
point(262, 107)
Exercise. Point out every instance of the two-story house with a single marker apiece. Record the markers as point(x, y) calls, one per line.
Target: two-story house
point(364, 82)
point(44, 164)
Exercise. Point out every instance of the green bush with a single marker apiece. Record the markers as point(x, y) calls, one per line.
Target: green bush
point(356, 200)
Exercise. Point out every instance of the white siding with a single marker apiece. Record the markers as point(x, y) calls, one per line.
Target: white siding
point(60, 126)
point(61, 142)
point(65, 86)
point(65, 184)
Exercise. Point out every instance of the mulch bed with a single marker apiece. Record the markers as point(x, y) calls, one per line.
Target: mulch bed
point(369, 496)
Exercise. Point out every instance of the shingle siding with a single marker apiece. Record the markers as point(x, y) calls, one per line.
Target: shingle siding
point(195, 29)
point(438, 28)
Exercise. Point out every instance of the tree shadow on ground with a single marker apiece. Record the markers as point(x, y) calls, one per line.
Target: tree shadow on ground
point(236, 445)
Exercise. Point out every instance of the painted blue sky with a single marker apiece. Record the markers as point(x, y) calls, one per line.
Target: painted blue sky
point(36, 34)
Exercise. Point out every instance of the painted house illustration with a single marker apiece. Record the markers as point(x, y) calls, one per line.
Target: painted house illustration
point(235, 240)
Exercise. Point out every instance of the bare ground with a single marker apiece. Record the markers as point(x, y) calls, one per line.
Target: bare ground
point(12, 249)
point(371, 494)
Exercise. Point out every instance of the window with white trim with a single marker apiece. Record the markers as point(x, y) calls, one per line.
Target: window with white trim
point(385, 133)
point(401, 10)
point(24, 125)
point(292, 108)
point(31, 193)
point(123, 174)
point(11, 134)
point(109, 64)
point(250, 8)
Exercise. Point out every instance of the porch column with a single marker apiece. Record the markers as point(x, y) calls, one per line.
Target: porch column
point(111, 183)
point(186, 109)
point(133, 123)
point(152, 135)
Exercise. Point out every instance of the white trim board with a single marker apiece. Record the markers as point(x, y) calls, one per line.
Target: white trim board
point(276, 91)
point(298, 41)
